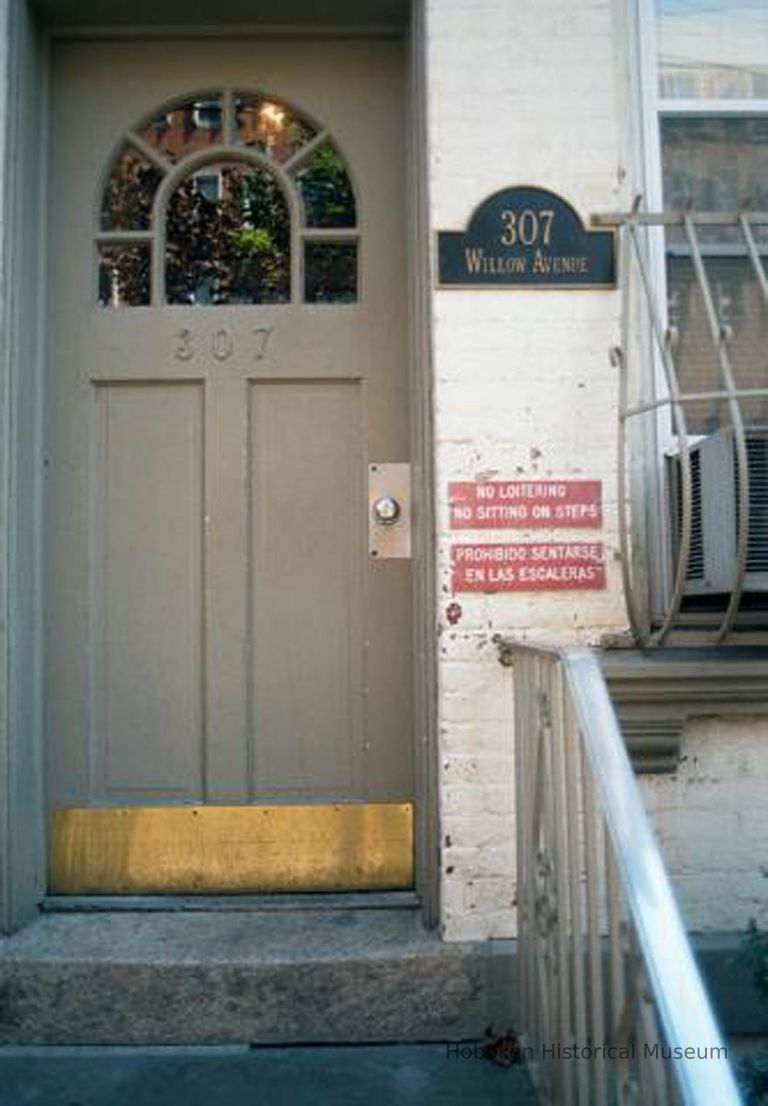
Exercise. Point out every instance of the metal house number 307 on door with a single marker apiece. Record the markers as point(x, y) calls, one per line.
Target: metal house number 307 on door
point(221, 345)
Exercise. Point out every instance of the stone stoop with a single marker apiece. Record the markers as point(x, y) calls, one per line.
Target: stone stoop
point(222, 977)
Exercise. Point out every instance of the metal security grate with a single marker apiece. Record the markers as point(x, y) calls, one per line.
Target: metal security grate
point(716, 485)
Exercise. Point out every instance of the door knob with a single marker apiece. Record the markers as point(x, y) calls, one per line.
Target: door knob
point(386, 510)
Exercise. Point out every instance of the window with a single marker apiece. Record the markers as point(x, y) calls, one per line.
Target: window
point(705, 536)
point(227, 198)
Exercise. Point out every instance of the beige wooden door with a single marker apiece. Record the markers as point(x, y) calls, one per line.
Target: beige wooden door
point(217, 633)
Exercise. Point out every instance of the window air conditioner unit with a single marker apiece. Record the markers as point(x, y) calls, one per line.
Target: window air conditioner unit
point(715, 488)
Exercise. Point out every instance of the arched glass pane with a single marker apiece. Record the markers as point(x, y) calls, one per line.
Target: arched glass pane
point(185, 128)
point(228, 236)
point(326, 190)
point(126, 203)
point(269, 127)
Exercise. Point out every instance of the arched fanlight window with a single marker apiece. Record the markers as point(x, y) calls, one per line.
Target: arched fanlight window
point(227, 198)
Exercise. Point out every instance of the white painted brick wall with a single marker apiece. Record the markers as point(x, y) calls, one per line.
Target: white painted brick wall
point(712, 822)
point(535, 92)
point(518, 93)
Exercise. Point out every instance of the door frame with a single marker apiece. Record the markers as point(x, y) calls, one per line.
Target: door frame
point(24, 52)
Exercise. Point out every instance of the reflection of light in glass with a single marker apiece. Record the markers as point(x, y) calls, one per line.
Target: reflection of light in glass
point(271, 120)
point(114, 287)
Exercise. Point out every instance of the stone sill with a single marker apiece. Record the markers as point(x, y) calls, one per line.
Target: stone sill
point(656, 692)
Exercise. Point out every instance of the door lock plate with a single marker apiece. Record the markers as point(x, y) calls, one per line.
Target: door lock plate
point(389, 510)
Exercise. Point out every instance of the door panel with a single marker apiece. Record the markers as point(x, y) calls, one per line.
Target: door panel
point(216, 630)
point(147, 557)
point(305, 588)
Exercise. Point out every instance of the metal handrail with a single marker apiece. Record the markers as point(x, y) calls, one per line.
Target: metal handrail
point(585, 846)
point(632, 225)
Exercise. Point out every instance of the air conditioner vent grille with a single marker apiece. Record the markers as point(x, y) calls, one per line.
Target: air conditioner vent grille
point(757, 542)
point(696, 558)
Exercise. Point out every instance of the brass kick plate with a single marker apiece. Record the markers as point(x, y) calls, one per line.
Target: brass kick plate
point(219, 849)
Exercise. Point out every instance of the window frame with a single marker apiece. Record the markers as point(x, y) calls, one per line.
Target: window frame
point(649, 112)
point(192, 162)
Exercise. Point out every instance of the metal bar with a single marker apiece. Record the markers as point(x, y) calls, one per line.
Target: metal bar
point(595, 873)
point(523, 850)
point(537, 1019)
point(691, 397)
point(564, 921)
point(547, 921)
point(719, 338)
point(647, 1023)
point(526, 683)
point(676, 218)
point(575, 851)
point(638, 621)
point(617, 981)
point(757, 264)
point(523, 731)
point(686, 521)
point(710, 250)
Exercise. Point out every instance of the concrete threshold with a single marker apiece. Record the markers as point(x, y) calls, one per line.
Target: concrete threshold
point(219, 977)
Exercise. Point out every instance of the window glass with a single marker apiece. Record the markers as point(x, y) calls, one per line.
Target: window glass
point(228, 242)
point(716, 49)
point(715, 164)
point(330, 272)
point(737, 299)
point(269, 127)
point(126, 203)
point(124, 275)
point(326, 190)
point(184, 128)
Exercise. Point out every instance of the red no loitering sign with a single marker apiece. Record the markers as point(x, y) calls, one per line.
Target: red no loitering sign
point(525, 504)
point(528, 566)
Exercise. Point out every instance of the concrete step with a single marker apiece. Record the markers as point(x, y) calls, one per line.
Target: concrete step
point(367, 1075)
point(219, 977)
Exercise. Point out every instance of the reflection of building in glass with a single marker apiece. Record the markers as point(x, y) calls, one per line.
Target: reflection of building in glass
point(713, 51)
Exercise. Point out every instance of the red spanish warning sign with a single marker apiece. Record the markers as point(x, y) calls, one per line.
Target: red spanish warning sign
point(529, 566)
point(506, 504)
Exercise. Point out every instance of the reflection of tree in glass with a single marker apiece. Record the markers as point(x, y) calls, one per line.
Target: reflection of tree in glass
point(330, 272)
point(234, 249)
point(124, 276)
point(127, 200)
point(326, 191)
